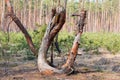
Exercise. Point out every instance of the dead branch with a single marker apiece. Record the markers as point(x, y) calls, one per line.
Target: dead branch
point(68, 66)
point(20, 25)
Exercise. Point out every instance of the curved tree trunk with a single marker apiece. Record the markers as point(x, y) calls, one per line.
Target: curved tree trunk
point(55, 25)
point(51, 32)
point(57, 21)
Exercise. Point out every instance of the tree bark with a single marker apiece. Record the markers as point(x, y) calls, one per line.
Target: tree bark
point(57, 21)
point(68, 66)
point(51, 32)
point(20, 25)
point(53, 28)
point(41, 8)
point(3, 16)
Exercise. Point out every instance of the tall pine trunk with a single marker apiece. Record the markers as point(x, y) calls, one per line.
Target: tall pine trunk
point(3, 16)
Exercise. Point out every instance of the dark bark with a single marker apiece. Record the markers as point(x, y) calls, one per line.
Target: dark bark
point(20, 25)
point(56, 44)
point(51, 55)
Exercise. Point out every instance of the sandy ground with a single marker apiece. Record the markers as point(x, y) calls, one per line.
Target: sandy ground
point(87, 67)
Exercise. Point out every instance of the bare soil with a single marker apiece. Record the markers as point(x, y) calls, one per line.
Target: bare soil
point(87, 67)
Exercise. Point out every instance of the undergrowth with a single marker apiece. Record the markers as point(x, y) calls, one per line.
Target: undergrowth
point(93, 41)
point(89, 41)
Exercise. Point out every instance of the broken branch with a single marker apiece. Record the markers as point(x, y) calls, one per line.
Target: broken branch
point(20, 25)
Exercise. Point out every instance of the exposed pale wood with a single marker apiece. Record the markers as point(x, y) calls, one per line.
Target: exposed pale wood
point(68, 66)
point(43, 66)
point(57, 21)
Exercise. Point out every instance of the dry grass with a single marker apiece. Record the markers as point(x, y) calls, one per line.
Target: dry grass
point(88, 67)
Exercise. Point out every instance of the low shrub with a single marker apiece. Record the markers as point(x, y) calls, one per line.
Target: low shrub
point(89, 41)
point(93, 41)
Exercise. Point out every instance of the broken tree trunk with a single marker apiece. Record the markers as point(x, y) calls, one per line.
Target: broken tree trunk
point(20, 25)
point(52, 30)
point(68, 66)
point(55, 25)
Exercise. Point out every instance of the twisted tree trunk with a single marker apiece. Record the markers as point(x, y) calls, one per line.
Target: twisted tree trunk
point(51, 32)
point(55, 25)
point(57, 21)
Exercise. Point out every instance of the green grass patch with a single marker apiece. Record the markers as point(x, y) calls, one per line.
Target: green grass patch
point(89, 41)
point(93, 41)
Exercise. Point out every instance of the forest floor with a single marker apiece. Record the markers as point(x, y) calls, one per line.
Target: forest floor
point(87, 67)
